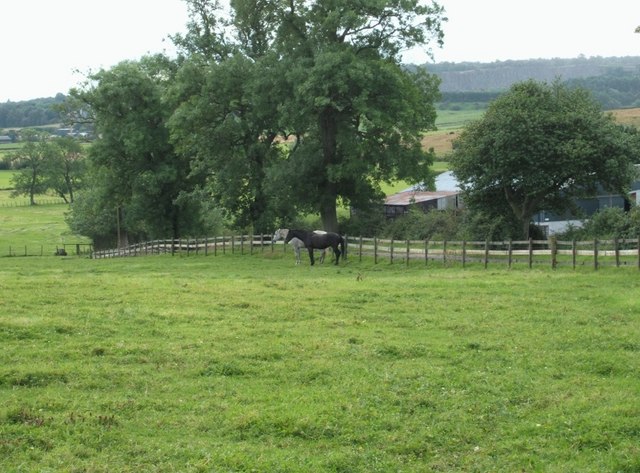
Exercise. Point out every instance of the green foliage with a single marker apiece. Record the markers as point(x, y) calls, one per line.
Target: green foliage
point(608, 224)
point(418, 225)
point(331, 78)
point(241, 363)
point(30, 113)
point(617, 88)
point(134, 167)
point(30, 161)
point(539, 147)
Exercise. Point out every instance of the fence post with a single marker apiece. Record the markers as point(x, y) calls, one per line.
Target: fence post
point(426, 251)
point(360, 248)
point(638, 252)
point(375, 250)
point(444, 253)
point(391, 252)
point(530, 253)
point(553, 242)
point(464, 253)
point(486, 254)
point(407, 252)
point(616, 248)
point(510, 252)
point(595, 254)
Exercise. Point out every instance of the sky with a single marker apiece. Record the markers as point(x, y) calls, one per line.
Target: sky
point(48, 47)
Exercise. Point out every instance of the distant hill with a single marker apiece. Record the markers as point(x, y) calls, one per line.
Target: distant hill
point(499, 75)
point(30, 113)
point(614, 81)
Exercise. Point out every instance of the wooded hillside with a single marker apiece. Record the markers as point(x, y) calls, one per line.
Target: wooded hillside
point(499, 75)
point(614, 81)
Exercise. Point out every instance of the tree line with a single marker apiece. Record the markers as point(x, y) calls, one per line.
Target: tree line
point(277, 111)
point(614, 82)
point(30, 113)
point(270, 111)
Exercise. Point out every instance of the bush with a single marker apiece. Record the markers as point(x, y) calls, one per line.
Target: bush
point(612, 223)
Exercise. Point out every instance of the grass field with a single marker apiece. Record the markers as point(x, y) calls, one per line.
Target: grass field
point(249, 363)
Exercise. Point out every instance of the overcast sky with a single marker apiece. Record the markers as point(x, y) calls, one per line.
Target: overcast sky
point(48, 46)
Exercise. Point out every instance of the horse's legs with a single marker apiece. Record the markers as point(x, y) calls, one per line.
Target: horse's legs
point(297, 251)
point(311, 255)
point(322, 255)
point(336, 252)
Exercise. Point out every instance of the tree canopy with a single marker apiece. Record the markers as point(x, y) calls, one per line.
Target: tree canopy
point(539, 147)
point(326, 75)
point(136, 176)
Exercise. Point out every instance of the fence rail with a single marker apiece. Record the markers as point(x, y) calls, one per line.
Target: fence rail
point(552, 252)
point(60, 249)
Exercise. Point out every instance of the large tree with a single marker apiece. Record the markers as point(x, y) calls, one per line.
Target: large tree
point(357, 113)
point(227, 93)
point(539, 147)
point(141, 177)
point(65, 168)
point(326, 73)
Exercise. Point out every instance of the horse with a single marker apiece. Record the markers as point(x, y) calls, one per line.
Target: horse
point(296, 243)
point(319, 241)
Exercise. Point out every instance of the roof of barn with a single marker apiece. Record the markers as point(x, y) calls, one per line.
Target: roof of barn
point(414, 197)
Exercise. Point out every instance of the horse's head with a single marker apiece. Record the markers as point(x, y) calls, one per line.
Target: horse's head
point(280, 234)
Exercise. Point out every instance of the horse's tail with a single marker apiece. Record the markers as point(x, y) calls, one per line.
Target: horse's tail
point(342, 243)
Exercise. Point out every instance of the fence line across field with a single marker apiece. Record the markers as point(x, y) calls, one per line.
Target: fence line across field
point(616, 252)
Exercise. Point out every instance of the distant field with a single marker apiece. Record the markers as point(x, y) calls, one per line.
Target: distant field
point(451, 122)
point(5, 179)
point(629, 116)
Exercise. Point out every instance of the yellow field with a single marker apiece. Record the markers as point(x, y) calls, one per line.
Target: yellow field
point(442, 140)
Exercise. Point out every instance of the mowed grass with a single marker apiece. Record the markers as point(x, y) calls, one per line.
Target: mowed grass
point(35, 230)
point(237, 363)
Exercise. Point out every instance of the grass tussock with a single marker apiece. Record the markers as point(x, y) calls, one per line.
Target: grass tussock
point(249, 363)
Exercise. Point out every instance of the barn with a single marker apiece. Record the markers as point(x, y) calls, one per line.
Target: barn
point(400, 203)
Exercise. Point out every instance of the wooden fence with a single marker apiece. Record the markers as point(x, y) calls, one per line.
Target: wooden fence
point(71, 249)
point(552, 252)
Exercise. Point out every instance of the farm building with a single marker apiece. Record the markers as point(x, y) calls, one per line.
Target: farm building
point(400, 203)
point(552, 223)
point(446, 196)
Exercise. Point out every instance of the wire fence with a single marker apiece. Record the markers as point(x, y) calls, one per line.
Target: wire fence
point(27, 203)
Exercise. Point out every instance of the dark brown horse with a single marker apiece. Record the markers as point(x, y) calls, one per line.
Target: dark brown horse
point(318, 241)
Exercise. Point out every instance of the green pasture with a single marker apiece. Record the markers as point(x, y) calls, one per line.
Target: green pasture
point(456, 119)
point(34, 230)
point(238, 363)
point(5, 180)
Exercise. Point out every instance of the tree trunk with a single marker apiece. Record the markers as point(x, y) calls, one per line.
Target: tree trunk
point(525, 227)
point(329, 139)
point(328, 212)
